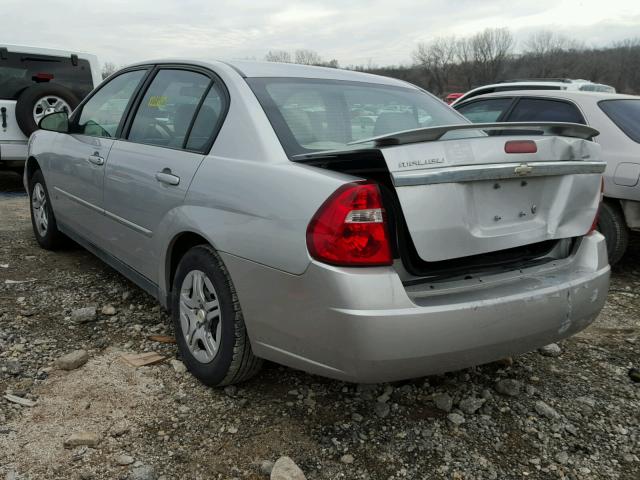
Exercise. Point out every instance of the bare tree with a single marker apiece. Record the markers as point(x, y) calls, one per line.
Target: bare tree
point(108, 68)
point(278, 56)
point(491, 49)
point(437, 58)
point(546, 51)
point(307, 57)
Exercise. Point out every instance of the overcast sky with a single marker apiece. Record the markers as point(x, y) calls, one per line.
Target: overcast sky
point(355, 32)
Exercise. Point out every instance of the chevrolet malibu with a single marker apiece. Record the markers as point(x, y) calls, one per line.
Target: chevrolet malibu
point(345, 224)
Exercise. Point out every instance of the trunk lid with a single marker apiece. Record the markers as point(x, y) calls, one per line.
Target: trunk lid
point(466, 196)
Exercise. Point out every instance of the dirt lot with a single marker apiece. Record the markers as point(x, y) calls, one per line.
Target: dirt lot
point(575, 415)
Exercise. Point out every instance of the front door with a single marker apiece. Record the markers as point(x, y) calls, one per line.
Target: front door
point(150, 169)
point(77, 172)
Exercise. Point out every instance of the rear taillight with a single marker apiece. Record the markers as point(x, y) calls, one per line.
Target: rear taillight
point(350, 228)
point(596, 219)
point(520, 146)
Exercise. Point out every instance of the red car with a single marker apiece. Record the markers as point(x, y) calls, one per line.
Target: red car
point(452, 97)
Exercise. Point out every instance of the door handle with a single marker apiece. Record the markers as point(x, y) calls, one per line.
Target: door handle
point(96, 159)
point(165, 176)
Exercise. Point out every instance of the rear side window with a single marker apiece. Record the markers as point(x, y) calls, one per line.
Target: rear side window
point(101, 115)
point(21, 70)
point(168, 108)
point(625, 114)
point(485, 111)
point(208, 119)
point(542, 110)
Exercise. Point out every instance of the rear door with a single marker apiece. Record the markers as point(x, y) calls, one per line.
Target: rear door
point(77, 171)
point(151, 167)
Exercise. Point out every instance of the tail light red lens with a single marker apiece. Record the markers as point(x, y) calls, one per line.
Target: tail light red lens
point(350, 228)
point(520, 146)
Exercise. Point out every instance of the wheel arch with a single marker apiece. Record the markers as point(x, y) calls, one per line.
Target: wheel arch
point(180, 244)
point(30, 168)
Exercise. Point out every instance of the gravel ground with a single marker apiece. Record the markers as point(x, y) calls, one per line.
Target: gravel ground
point(572, 412)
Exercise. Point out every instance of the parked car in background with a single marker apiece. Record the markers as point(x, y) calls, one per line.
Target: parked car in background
point(452, 97)
point(562, 84)
point(253, 202)
point(615, 116)
point(34, 82)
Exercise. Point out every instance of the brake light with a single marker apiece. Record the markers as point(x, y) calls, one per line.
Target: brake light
point(596, 219)
point(520, 146)
point(350, 228)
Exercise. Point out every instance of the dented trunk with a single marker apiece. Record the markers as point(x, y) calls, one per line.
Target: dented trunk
point(466, 197)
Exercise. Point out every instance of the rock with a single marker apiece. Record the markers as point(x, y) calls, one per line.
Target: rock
point(546, 411)
point(231, 390)
point(232, 430)
point(178, 366)
point(508, 387)
point(471, 405)
point(348, 459)
point(634, 374)
point(562, 458)
point(382, 409)
point(25, 402)
point(124, 460)
point(443, 401)
point(143, 472)
point(286, 469)
point(83, 315)
point(120, 429)
point(72, 360)
point(109, 310)
point(456, 418)
point(13, 367)
point(266, 467)
point(551, 350)
point(89, 439)
point(356, 417)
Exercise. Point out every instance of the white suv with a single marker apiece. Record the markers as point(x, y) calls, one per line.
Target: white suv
point(578, 85)
point(34, 82)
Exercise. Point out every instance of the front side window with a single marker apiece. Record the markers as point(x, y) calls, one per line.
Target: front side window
point(314, 115)
point(485, 111)
point(168, 108)
point(625, 114)
point(542, 110)
point(101, 115)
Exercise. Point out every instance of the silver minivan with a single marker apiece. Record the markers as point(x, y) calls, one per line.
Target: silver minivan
point(346, 224)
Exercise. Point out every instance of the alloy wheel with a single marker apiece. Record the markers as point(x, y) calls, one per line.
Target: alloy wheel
point(49, 104)
point(39, 209)
point(200, 316)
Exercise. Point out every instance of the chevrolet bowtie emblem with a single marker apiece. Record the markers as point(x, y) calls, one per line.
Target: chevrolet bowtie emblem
point(523, 170)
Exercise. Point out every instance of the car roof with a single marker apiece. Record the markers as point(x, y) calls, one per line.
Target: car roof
point(255, 69)
point(575, 95)
point(45, 51)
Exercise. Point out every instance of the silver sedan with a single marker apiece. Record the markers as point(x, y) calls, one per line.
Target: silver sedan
point(346, 224)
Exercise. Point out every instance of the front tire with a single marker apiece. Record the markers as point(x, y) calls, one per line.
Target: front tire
point(613, 226)
point(210, 330)
point(43, 220)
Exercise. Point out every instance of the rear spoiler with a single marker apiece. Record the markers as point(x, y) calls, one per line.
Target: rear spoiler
point(432, 134)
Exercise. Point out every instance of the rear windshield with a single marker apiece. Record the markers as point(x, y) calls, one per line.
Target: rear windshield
point(21, 70)
point(625, 114)
point(311, 115)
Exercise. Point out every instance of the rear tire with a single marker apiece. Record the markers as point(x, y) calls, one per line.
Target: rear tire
point(613, 226)
point(210, 330)
point(43, 220)
point(30, 99)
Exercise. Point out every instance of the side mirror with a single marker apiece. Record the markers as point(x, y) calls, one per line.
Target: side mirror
point(55, 122)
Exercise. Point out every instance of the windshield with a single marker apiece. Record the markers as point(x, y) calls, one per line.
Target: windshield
point(625, 114)
point(310, 115)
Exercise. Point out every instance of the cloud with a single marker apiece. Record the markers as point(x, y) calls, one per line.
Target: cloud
point(353, 32)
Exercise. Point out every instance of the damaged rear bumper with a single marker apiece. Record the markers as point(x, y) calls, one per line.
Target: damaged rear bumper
point(364, 325)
